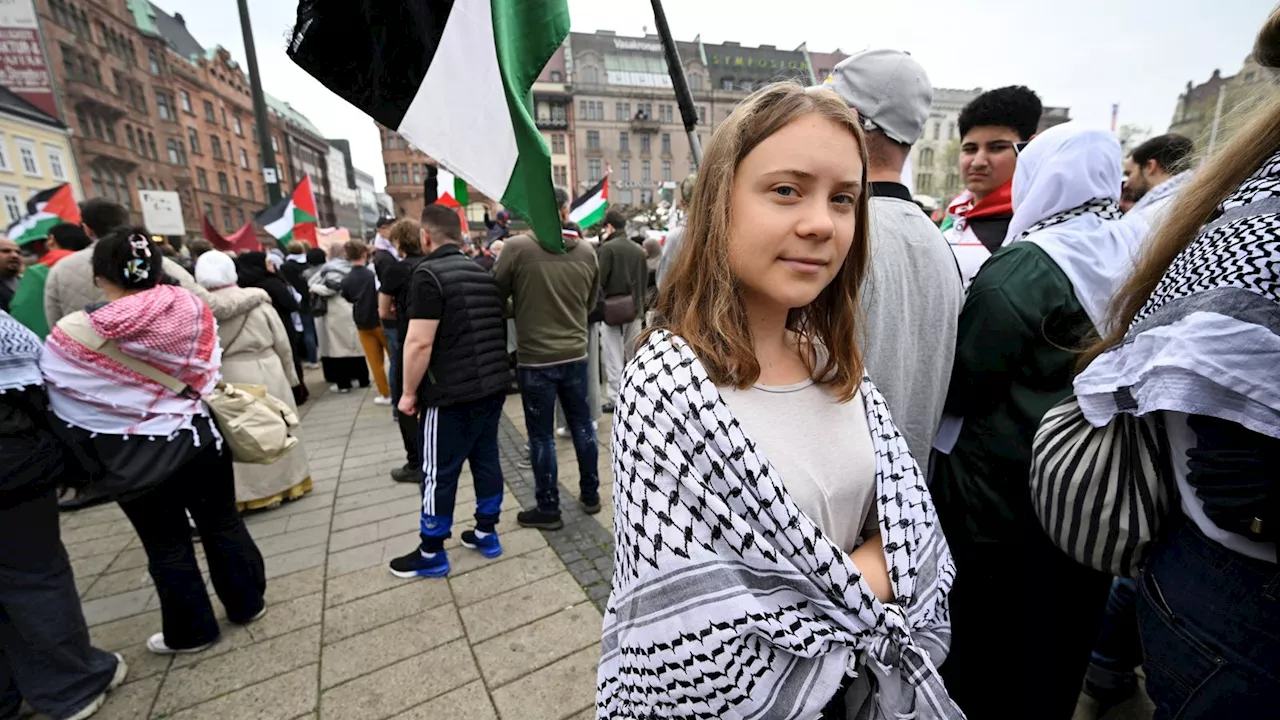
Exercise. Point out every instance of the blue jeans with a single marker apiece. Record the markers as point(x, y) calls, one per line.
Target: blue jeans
point(1118, 650)
point(309, 339)
point(466, 432)
point(539, 388)
point(1210, 624)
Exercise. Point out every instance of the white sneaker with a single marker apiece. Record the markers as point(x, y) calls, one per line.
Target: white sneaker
point(155, 644)
point(311, 366)
point(333, 387)
point(381, 400)
point(562, 432)
point(89, 710)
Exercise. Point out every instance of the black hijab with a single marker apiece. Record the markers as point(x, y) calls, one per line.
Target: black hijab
point(252, 268)
point(316, 256)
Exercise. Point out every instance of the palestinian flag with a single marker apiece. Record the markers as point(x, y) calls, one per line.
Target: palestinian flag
point(454, 78)
point(293, 218)
point(445, 188)
point(589, 209)
point(44, 210)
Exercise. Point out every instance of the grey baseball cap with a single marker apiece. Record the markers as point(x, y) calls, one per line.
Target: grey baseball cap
point(887, 87)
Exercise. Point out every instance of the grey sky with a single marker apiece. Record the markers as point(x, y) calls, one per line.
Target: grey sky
point(1086, 54)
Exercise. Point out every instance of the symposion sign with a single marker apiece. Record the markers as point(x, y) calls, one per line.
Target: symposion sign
point(23, 68)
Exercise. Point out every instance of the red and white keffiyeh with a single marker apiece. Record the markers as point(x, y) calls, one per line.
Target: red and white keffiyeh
point(166, 327)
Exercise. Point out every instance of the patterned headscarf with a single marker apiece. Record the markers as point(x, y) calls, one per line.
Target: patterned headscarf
point(19, 355)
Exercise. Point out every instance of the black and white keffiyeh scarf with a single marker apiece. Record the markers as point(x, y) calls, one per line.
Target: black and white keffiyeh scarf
point(1104, 208)
point(1208, 339)
point(728, 601)
point(1166, 189)
point(19, 355)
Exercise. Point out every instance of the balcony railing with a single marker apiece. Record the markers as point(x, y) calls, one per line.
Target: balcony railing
point(642, 123)
point(549, 123)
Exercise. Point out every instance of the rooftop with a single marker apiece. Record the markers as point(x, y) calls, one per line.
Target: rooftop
point(11, 104)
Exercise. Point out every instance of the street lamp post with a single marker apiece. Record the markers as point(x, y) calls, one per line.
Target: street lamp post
point(270, 176)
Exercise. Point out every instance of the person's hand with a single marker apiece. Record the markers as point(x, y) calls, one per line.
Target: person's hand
point(408, 405)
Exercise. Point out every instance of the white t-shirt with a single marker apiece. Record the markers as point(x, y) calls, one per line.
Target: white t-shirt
point(821, 447)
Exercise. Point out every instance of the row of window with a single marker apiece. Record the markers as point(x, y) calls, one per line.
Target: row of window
point(646, 177)
point(624, 141)
point(406, 173)
point(29, 158)
point(226, 217)
point(924, 183)
point(224, 186)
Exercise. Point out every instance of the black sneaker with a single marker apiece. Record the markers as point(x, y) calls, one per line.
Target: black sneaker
point(607, 408)
point(540, 519)
point(405, 474)
point(414, 565)
point(590, 506)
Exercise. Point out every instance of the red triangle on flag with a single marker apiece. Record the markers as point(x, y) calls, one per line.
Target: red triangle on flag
point(63, 204)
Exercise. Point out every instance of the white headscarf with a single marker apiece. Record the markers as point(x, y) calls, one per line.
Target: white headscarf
point(1060, 175)
point(216, 270)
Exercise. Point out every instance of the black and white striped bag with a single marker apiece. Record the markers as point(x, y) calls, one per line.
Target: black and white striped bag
point(1101, 493)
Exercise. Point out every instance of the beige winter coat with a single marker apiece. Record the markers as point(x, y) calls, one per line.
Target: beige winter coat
point(256, 350)
point(69, 288)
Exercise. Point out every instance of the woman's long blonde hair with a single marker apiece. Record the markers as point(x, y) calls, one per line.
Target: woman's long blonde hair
point(702, 301)
point(1256, 140)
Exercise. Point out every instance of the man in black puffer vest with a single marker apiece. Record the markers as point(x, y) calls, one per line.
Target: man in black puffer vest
point(455, 381)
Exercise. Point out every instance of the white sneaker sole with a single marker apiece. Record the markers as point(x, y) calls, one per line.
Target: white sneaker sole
point(155, 644)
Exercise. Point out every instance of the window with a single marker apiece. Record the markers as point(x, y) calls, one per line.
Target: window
point(695, 82)
point(122, 188)
point(666, 114)
point(225, 124)
point(111, 131)
point(666, 143)
point(582, 109)
point(599, 110)
point(97, 126)
point(244, 158)
point(417, 173)
point(644, 142)
point(557, 76)
point(151, 142)
point(128, 134)
point(924, 183)
point(926, 157)
point(590, 75)
point(404, 172)
point(624, 140)
point(248, 190)
point(57, 168)
point(27, 152)
point(162, 107)
point(193, 137)
point(177, 155)
point(726, 83)
point(625, 170)
point(646, 176)
point(666, 171)
point(119, 82)
point(185, 97)
point(202, 179)
point(646, 197)
point(216, 145)
point(154, 62)
point(240, 216)
point(618, 113)
point(951, 131)
point(953, 182)
point(95, 178)
point(702, 115)
point(937, 129)
point(226, 218)
point(208, 111)
point(594, 173)
point(12, 203)
point(275, 146)
point(223, 186)
point(593, 139)
point(208, 212)
point(624, 197)
point(557, 143)
point(560, 175)
point(238, 126)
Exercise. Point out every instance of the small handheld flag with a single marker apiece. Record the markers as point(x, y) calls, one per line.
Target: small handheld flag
point(293, 218)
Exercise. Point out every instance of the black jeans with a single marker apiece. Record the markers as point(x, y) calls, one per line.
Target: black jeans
point(408, 424)
point(466, 432)
point(205, 487)
point(45, 655)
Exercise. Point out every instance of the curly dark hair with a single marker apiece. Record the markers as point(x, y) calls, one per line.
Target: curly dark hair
point(1015, 107)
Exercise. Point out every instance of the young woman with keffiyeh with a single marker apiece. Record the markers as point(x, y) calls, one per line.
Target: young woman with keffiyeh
point(1196, 338)
point(778, 555)
point(160, 452)
point(1027, 313)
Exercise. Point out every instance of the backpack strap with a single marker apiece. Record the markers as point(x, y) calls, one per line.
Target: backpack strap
point(78, 328)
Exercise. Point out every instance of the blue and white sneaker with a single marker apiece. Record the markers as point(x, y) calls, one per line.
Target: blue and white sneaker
point(487, 545)
point(415, 565)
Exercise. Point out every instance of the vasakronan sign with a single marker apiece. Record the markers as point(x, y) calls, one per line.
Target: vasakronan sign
point(625, 44)
point(23, 67)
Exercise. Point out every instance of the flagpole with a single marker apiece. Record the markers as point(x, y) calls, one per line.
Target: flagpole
point(270, 178)
point(684, 98)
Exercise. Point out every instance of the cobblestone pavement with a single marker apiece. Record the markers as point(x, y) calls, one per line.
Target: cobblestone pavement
point(514, 637)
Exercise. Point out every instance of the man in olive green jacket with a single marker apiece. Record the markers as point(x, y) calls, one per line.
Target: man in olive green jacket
point(624, 270)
